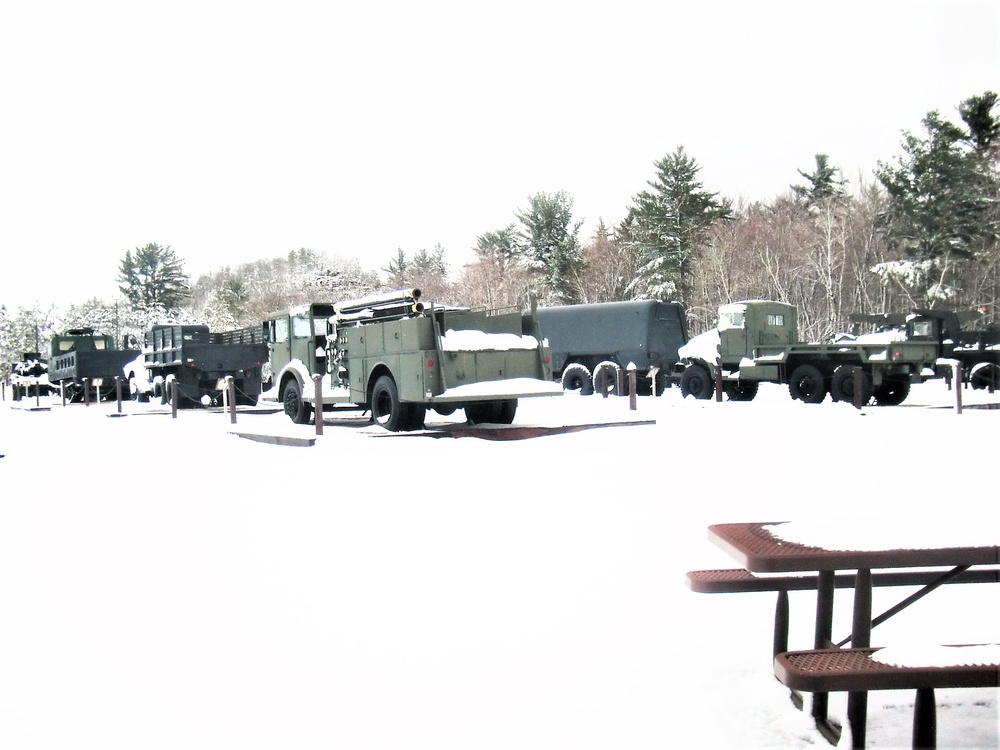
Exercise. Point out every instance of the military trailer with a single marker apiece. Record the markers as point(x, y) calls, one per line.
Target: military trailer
point(757, 341)
point(390, 355)
point(976, 349)
point(199, 362)
point(82, 357)
point(587, 340)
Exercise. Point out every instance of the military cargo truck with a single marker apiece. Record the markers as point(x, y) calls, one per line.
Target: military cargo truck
point(586, 339)
point(80, 354)
point(199, 361)
point(757, 341)
point(390, 355)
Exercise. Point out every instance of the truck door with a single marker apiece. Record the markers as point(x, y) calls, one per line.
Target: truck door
point(278, 343)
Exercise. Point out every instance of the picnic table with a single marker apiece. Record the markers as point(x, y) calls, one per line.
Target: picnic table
point(788, 547)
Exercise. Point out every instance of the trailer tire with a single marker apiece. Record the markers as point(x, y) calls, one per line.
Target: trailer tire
point(807, 384)
point(576, 377)
point(296, 409)
point(892, 391)
point(613, 374)
point(985, 375)
point(842, 385)
point(741, 390)
point(696, 381)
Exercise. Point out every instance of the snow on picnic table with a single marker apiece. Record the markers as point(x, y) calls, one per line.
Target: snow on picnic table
point(166, 584)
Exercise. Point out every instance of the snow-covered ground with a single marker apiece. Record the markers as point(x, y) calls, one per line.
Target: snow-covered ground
point(166, 584)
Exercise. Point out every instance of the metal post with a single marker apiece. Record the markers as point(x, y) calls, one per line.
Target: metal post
point(631, 386)
point(718, 383)
point(38, 395)
point(318, 403)
point(86, 391)
point(231, 395)
point(173, 399)
point(958, 387)
point(62, 392)
point(859, 375)
point(604, 381)
point(118, 392)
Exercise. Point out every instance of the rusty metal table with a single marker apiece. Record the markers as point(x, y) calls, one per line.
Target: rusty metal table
point(759, 550)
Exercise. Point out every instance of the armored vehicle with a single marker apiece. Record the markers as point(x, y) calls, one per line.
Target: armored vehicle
point(29, 377)
point(588, 339)
point(390, 355)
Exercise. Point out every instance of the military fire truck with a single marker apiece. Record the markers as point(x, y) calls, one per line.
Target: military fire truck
point(392, 356)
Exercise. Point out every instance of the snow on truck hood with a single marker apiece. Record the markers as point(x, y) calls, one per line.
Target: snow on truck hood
point(704, 346)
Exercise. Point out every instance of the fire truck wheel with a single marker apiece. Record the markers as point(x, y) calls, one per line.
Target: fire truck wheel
point(386, 407)
point(296, 409)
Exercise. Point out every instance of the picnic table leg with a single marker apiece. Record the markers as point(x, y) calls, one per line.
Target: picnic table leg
point(824, 632)
point(861, 637)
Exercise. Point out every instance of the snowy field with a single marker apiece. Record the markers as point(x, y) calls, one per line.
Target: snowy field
point(166, 584)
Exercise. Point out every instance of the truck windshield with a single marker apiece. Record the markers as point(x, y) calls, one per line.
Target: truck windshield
point(301, 328)
point(732, 319)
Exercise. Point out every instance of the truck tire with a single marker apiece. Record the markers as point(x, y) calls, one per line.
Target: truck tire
point(296, 409)
point(491, 412)
point(807, 384)
point(613, 373)
point(390, 412)
point(842, 385)
point(696, 381)
point(576, 377)
point(892, 391)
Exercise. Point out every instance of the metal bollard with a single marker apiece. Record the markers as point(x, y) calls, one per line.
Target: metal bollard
point(318, 404)
point(86, 391)
point(631, 386)
point(231, 395)
point(859, 376)
point(604, 381)
point(173, 399)
point(958, 387)
point(718, 383)
point(118, 392)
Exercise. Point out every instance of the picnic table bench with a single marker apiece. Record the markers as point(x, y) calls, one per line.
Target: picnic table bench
point(860, 670)
point(771, 548)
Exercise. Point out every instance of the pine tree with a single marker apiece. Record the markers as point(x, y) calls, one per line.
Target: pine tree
point(398, 270)
point(665, 224)
point(551, 242)
point(153, 278)
point(824, 184)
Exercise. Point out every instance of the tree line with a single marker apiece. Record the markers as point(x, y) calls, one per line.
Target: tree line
point(922, 233)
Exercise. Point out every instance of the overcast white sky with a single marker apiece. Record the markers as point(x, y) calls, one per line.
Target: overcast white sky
point(233, 131)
